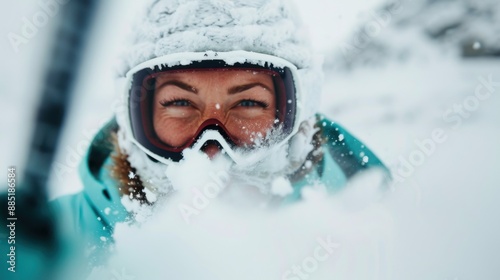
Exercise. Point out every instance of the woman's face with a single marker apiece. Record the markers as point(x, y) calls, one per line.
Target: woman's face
point(244, 101)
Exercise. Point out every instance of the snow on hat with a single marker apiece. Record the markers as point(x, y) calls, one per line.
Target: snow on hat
point(264, 26)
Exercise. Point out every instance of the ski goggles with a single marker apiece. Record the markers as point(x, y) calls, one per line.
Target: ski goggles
point(151, 135)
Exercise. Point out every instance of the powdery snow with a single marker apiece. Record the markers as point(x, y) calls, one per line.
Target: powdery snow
point(321, 237)
point(439, 223)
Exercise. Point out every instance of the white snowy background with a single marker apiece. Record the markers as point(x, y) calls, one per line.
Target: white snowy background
point(440, 223)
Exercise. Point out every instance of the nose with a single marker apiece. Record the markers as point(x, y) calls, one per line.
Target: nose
point(212, 149)
point(214, 110)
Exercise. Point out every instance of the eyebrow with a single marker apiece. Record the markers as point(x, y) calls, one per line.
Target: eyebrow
point(179, 84)
point(241, 88)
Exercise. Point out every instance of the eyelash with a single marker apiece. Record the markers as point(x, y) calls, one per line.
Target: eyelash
point(259, 103)
point(171, 102)
point(166, 103)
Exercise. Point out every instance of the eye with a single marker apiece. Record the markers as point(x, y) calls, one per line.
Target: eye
point(176, 103)
point(253, 103)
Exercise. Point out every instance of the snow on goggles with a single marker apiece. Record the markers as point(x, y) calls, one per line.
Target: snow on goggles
point(144, 81)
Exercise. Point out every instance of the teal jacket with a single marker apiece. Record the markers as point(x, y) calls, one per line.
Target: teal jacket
point(91, 214)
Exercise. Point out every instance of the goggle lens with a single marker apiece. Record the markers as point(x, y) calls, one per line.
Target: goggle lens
point(168, 106)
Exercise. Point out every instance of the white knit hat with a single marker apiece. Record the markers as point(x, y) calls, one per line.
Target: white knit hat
point(176, 26)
